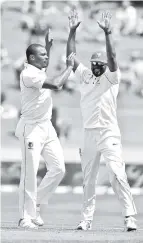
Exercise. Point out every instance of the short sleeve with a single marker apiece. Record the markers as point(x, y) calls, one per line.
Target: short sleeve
point(34, 80)
point(113, 77)
point(83, 73)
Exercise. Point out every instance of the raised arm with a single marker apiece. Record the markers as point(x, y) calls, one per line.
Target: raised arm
point(105, 24)
point(71, 46)
point(57, 82)
point(48, 42)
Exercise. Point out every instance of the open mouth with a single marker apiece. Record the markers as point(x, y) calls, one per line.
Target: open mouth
point(97, 70)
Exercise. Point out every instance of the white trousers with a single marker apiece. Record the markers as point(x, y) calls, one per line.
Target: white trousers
point(110, 147)
point(36, 140)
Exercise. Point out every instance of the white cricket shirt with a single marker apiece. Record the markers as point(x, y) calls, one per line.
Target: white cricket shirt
point(36, 102)
point(98, 98)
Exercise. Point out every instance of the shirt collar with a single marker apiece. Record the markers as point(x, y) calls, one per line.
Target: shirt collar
point(27, 65)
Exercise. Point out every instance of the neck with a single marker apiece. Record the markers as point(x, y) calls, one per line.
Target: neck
point(35, 65)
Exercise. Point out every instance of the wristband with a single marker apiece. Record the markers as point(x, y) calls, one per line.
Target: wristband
point(108, 32)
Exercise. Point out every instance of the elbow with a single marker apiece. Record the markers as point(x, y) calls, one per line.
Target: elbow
point(58, 87)
point(112, 64)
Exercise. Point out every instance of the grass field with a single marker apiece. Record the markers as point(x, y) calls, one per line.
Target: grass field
point(61, 217)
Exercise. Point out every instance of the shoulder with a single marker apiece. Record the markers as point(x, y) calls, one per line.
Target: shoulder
point(87, 73)
point(83, 69)
point(30, 73)
point(108, 72)
point(83, 73)
point(113, 77)
point(27, 73)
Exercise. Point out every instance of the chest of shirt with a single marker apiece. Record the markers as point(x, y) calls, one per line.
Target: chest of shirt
point(35, 94)
point(94, 92)
point(92, 84)
point(93, 87)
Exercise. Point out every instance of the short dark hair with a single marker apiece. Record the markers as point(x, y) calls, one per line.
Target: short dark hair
point(31, 50)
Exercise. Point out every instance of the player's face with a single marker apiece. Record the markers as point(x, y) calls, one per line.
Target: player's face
point(41, 58)
point(98, 68)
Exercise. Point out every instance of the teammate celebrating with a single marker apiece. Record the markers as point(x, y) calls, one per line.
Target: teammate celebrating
point(36, 134)
point(99, 88)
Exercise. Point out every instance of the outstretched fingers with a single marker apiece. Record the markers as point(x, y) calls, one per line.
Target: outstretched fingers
point(72, 14)
point(49, 36)
point(106, 15)
point(73, 19)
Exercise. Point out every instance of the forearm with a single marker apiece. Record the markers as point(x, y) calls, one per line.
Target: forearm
point(110, 46)
point(56, 83)
point(71, 47)
point(63, 77)
point(111, 53)
point(48, 49)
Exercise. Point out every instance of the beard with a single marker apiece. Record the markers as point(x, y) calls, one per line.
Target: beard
point(98, 71)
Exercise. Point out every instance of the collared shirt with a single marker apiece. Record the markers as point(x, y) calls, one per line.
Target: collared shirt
point(98, 97)
point(36, 102)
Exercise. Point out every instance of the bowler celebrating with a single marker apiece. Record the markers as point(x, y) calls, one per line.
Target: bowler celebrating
point(36, 134)
point(99, 88)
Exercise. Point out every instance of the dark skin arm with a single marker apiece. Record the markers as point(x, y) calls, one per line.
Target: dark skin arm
point(57, 82)
point(48, 42)
point(110, 49)
point(71, 46)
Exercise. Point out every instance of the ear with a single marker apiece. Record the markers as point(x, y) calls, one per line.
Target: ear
point(31, 57)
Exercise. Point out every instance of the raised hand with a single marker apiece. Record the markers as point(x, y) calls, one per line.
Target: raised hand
point(105, 22)
point(49, 38)
point(73, 20)
point(70, 59)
